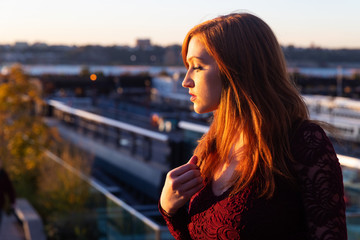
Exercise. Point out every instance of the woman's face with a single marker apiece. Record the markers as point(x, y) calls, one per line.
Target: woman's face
point(202, 78)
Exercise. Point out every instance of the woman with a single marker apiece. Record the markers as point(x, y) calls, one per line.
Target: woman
point(263, 170)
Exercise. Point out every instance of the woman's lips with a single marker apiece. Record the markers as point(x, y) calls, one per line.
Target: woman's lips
point(193, 97)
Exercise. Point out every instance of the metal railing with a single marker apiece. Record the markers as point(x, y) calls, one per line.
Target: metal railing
point(109, 128)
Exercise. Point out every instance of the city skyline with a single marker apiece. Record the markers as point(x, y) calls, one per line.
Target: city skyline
point(327, 24)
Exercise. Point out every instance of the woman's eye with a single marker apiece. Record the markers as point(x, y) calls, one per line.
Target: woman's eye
point(197, 68)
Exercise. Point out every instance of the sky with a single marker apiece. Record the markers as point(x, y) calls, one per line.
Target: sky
point(305, 23)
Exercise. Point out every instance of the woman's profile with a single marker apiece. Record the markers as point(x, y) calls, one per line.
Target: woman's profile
point(263, 170)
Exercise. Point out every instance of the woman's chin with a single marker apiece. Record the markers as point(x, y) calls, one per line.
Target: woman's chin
point(205, 108)
point(200, 110)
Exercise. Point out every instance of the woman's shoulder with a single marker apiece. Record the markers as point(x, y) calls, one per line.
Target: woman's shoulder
point(311, 145)
point(309, 133)
point(318, 172)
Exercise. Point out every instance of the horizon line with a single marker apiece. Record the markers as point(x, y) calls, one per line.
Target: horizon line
point(32, 43)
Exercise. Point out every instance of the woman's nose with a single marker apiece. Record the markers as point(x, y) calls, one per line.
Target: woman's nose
point(188, 82)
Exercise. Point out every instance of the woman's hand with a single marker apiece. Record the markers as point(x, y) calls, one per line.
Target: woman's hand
point(180, 185)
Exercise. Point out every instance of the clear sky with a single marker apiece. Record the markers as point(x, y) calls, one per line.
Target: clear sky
point(325, 23)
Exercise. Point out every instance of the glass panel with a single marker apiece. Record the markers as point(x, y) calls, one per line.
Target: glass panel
point(97, 215)
point(351, 178)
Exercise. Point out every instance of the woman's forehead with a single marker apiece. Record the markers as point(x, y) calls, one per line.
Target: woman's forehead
point(196, 49)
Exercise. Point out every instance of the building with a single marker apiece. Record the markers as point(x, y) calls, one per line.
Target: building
point(143, 44)
point(21, 45)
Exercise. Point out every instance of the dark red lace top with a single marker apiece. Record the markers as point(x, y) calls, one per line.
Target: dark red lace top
point(314, 210)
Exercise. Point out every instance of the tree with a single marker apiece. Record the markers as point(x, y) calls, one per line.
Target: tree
point(24, 137)
point(23, 134)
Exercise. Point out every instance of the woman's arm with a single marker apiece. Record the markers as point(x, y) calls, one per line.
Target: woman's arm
point(177, 223)
point(319, 174)
point(180, 185)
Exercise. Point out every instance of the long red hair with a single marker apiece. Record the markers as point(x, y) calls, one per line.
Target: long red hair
point(259, 102)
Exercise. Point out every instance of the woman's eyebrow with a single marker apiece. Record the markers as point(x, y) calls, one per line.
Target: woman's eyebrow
point(192, 57)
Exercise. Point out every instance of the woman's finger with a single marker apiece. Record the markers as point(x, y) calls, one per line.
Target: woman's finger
point(193, 160)
point(193, 183)
point(189, 175)
point(182, 169)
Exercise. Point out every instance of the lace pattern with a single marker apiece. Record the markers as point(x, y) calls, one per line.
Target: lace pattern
point(320, 177)
point(217, 217)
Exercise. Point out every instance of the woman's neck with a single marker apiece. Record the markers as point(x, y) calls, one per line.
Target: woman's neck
point(223, 177)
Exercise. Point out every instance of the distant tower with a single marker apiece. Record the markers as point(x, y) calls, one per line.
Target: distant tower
point(143, 44)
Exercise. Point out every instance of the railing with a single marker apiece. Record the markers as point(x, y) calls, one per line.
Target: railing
point(137, 140)
point(116, 219)
point(102, 125)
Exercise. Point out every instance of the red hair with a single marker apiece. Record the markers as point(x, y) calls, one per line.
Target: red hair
point(259, 103)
